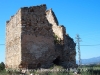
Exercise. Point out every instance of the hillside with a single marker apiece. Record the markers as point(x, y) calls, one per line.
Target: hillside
point(94, 60)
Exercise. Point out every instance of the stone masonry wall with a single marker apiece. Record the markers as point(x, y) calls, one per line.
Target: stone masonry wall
point(58, 30)
point(69, 53)
point(13, 41)
point(66, 45)
point(34, 39)
point(37, 37)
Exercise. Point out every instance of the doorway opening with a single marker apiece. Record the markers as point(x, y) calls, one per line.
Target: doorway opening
point(57, 61)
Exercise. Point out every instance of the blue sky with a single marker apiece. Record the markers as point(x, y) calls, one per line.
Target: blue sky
point(78, 16)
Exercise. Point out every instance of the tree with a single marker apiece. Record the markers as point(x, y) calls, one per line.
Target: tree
point(2, 66)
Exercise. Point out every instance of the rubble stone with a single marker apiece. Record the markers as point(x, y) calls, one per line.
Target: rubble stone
point(34, 39)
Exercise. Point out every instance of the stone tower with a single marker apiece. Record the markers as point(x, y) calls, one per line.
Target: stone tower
point(34, 39)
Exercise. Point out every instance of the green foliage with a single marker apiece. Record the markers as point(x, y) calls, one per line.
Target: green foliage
point(3, 72)
point(2, 69)
point(91, 72)
point(85, 70)
point(92, 69)
point(56, 41)
point(2, 66)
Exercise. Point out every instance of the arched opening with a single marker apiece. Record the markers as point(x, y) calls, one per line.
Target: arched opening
point(57, 61)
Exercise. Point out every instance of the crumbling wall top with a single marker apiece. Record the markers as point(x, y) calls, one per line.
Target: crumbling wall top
point(18, 13)
point(51, 13)
point(34, 8)
point(29, 9)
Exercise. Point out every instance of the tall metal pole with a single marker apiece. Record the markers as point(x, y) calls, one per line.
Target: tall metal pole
point(78, 40)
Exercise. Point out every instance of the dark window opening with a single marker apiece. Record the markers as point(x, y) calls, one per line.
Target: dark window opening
point(57, 61)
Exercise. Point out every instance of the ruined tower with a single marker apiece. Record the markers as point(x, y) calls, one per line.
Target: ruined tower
point(35, 39)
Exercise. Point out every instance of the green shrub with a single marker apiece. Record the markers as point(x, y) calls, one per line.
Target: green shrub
point(2, 66)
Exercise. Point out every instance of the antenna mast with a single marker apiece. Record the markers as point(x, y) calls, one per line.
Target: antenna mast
point(78, 40)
